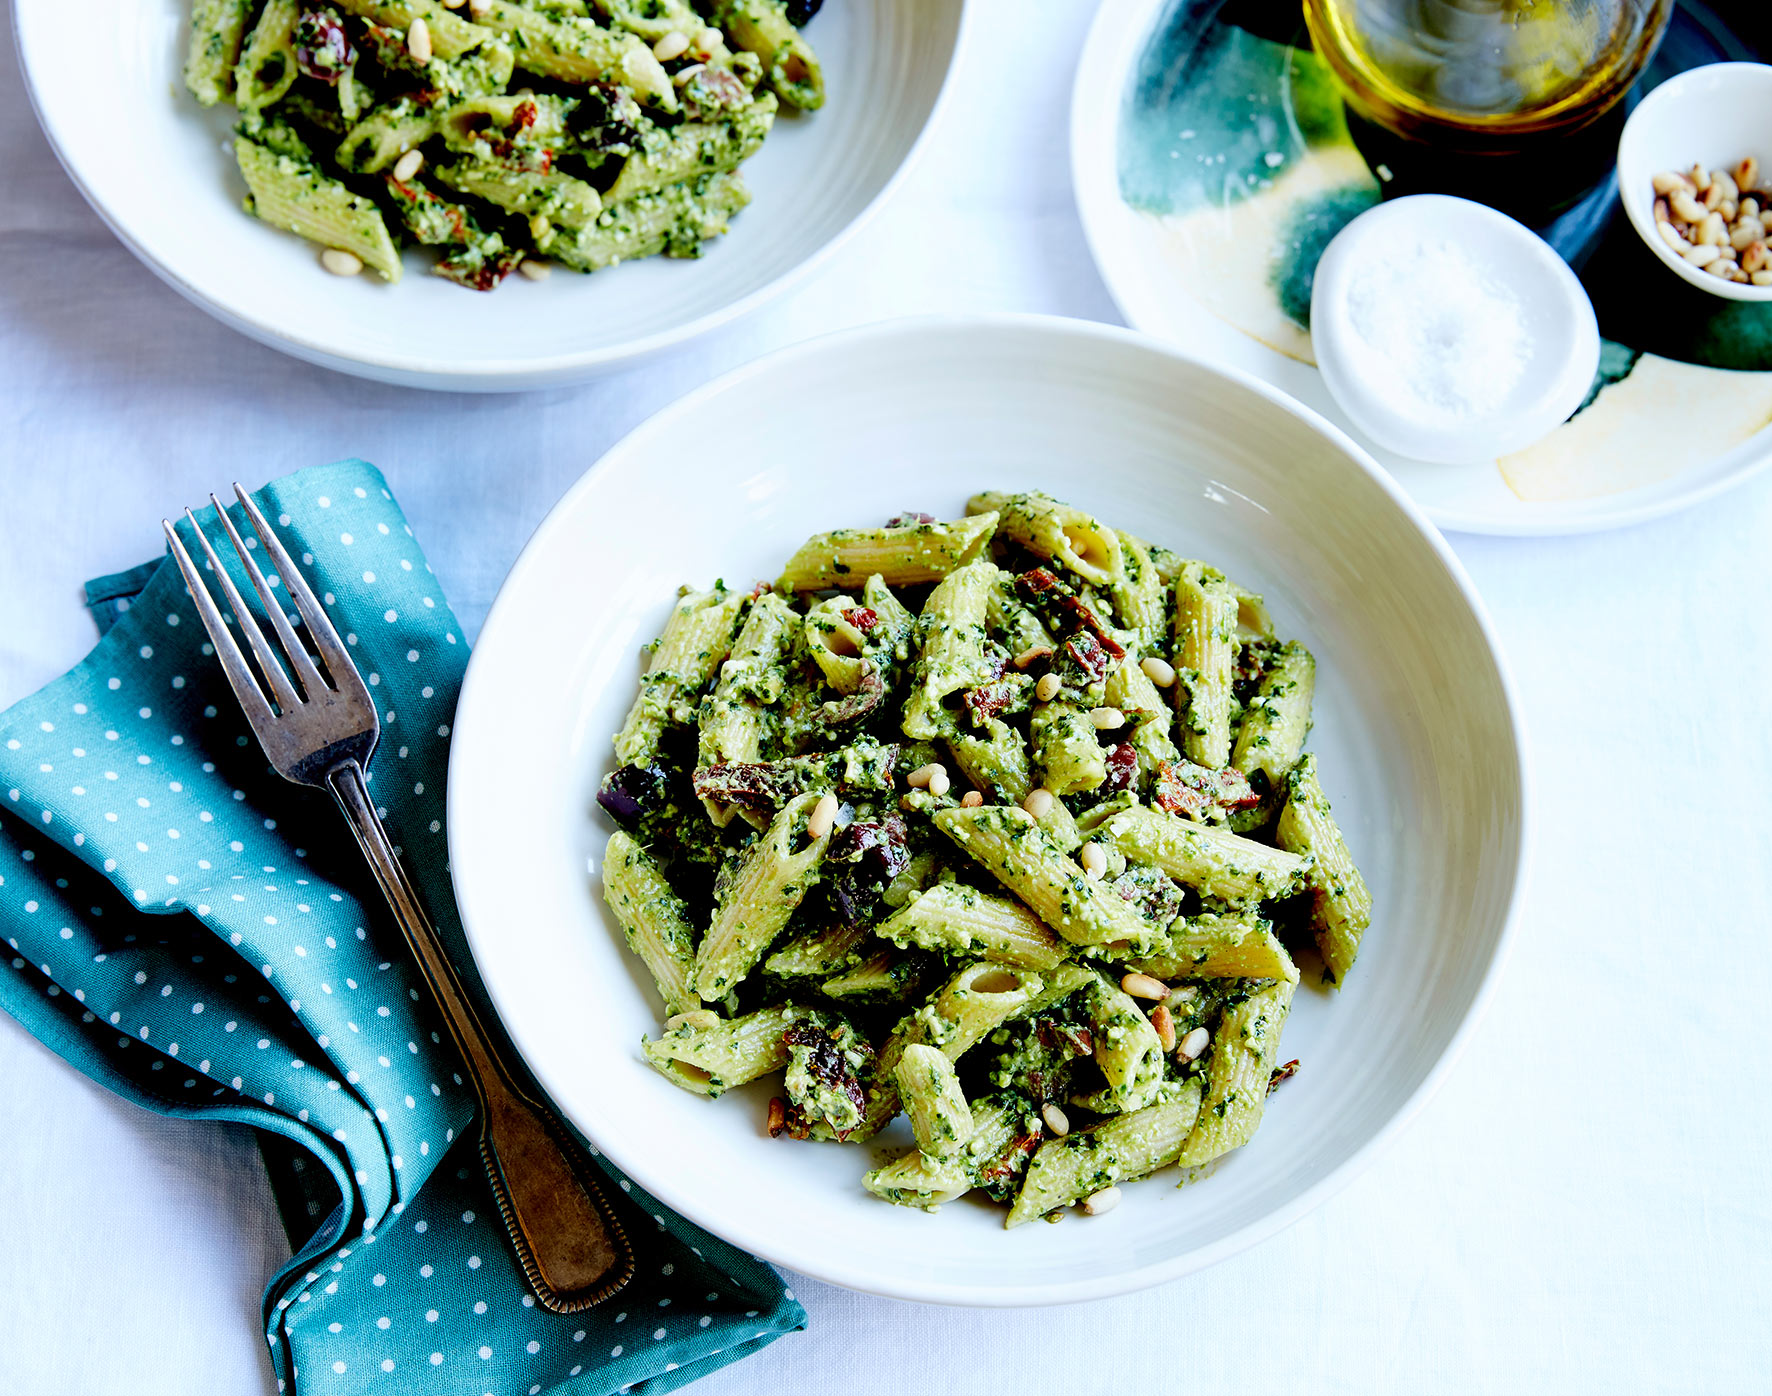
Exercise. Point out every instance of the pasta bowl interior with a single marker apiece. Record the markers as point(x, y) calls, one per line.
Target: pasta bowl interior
point(1415, 738)
point(108, 88)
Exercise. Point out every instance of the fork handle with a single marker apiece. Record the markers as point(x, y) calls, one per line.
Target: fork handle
point(550, 1209)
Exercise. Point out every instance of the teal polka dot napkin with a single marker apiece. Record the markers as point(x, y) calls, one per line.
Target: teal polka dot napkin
point(203, 938)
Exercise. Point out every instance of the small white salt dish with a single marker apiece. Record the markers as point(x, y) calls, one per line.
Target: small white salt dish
point(1715, 116)
point(1490, 349)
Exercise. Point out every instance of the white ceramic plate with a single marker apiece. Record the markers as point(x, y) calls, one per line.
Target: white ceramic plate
point(106, 81)
point(1163, 298)
point(1416, 731)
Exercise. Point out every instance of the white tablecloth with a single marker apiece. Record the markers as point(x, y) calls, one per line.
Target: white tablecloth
point(1583, 1207)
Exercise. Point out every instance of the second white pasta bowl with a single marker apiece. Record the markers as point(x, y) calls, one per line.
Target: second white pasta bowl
point(1416, 736)
point(107, 86)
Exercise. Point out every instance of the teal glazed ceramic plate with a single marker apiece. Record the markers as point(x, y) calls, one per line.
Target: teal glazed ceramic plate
point(1213, 161)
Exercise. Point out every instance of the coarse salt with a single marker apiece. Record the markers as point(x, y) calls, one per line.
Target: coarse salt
point(1446, 342)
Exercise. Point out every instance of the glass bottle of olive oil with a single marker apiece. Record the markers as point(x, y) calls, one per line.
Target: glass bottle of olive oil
point(1506, 100)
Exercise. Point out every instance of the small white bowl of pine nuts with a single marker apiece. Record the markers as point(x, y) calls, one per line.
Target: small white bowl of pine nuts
point(1695, 174)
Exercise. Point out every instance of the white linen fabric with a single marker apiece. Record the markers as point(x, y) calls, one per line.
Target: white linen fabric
point(1583, 1207)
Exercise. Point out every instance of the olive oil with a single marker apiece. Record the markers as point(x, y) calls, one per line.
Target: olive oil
point(1485, 72)
point(1514, 102)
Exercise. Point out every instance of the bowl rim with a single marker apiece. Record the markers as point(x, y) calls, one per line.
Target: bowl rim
point(494, 375)
point(481, 912)
point(1637, 207)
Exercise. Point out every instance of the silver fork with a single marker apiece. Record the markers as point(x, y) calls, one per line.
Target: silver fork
point(319, 730)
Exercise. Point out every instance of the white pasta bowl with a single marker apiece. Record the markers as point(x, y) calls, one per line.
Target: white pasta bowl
point(1417, 736)
point(106, 82)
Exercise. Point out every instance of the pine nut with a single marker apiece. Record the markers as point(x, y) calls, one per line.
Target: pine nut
point(694, 1018)
point(709, 41)
point(919, 779)
point(1039, 802)
point(778, 1116)
point(1193, 1044)
point(1667, 182)
point(1762, 278)
point(479, 9)
point(1750, 207)
point(341, 263)
point(418, 41)
point(1057, 1122)
point(1747, 174)
point(1700, 256)
point(1670, 235)
point(409, 165)
point(539, 227)
point(534, 270)
point(1728, 210)
point(1143, 986)
point(1731, 190)
point(682, 78)
point(1159, 671)
point(1106, 719)
point(1711, 232)
point(1099, 1202)
point(939, 784)
point(1164, 1022)
point(1662, 214)
point(452, 4)
point(1700, 178)
point(1754, 259)
point(823, 816)
point(673, 45)
point(1746, 233)
point(1028, 656)
point(1047, 688)
point(1094, 860)
point(1686, 208)
point(971, 800)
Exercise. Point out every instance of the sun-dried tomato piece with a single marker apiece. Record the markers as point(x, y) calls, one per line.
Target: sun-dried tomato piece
point(1282, 1073)
point(863, 618)
point(1037, 584)
point(827, 1065)
point(988, 700)
point(1062, 608)
point(1194, 791)
point(628, 791)
point(909, 517)
point(765, 786)
point(1154, 894)
point(478, 267)
point(1122, 769)
point(713, 91)
point(322, 48)
point(860, 863)
point(1091, 656)
point(997, 1175)
point(869, 693)
point(1066, 1038)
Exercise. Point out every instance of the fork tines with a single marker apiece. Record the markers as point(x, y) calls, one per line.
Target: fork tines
point(273, 683)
